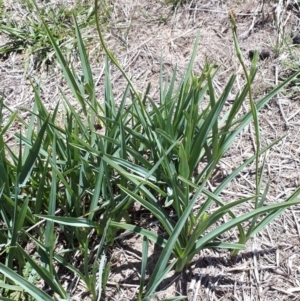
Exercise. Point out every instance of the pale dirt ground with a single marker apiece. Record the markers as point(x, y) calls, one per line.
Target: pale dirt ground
point(140, 33)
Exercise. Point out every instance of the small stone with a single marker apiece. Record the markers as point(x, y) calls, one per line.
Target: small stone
point(251, 54)
point(296, 38)
point(262, 56)
point(265, 54)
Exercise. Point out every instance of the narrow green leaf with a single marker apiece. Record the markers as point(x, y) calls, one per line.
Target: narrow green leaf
point(225, 245)
point(138, 230)
point(14, 288)
point(144, 266)
point(33, 154)
point(66, 70)
point(7, 299)
point(57, 257)
point(26, 285)
point(227, 226)
point(45, 275)
point(69, 221)
point(272, 215)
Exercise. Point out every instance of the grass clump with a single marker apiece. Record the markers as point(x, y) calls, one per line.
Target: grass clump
point(72, 183)
point(27, 35)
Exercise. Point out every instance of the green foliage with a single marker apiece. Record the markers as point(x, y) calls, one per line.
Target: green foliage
point(28, 36)
point(73, 181)
point(179, 136)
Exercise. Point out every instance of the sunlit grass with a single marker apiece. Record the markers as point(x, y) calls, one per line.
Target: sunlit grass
point(69, 181)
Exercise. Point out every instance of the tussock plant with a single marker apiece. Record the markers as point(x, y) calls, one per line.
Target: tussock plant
point(68, 180)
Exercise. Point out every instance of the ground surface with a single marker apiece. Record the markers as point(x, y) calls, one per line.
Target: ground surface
point(140, 33)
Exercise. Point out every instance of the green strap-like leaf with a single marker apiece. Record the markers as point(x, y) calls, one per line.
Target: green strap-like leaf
point(45, 275)
point(36, 293)
point(33, 154)
point(69, 221)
